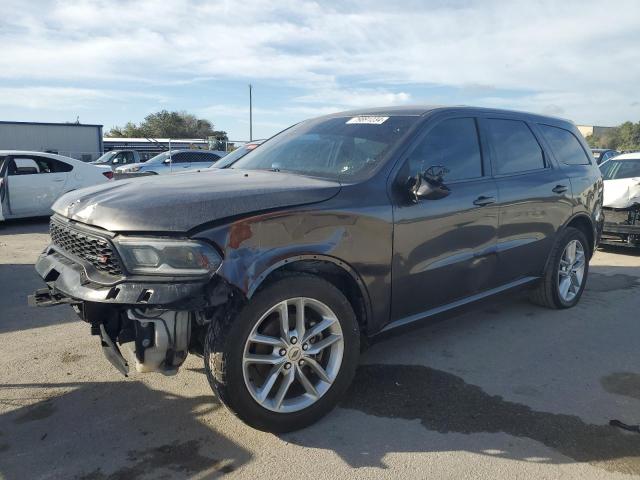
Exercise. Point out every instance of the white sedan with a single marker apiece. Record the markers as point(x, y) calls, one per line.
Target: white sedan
point(31, 181)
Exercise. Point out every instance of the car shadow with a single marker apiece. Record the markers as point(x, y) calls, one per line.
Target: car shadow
point(24, 226)
point(16, 283)
point(114, 431)
point(443, 378)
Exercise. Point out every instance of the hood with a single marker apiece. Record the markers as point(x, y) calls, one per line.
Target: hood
point(621, 192)
point(180, 202)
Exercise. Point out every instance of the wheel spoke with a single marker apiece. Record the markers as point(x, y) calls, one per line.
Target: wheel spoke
point(322, 344)
point(263, 359)
point(264, 391)
point(304, 381)
point(319, 327)
point(287, 380)
point(266, 340)
point(574, 281)
point(317, 368)
point(571, 251)
point(300, 328)
point(565, 283)
point(283, 311)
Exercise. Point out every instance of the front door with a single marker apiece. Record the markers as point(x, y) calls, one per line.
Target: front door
point(33, 184)
point(444, 249)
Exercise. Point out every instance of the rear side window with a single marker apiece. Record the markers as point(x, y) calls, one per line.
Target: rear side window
point(452, 144)
point(565, 145)
point(205, 157)
point(515, 147)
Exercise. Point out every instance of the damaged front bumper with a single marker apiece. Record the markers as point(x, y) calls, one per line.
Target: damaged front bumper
point(67, 282)
point(156, 317)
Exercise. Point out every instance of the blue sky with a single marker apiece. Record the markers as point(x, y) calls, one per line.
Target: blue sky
point(110, 62)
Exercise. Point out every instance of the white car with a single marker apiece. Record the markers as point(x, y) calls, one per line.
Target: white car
point(621, 203)
point(175, 161)
point(31, 181)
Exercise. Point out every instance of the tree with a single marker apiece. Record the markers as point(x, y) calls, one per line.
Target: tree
point(165, 124)
point(622, 137)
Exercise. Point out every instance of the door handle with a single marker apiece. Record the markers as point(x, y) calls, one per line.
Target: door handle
point(58, 179)
point(559, 189)
point(484, 201)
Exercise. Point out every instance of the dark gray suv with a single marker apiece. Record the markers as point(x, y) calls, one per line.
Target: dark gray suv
point(337, 229)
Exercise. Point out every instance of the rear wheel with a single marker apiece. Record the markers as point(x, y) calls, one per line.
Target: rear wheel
point(287, 357)
point(566, 273)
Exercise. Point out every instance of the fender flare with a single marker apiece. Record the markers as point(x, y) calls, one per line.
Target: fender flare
point(255, 284)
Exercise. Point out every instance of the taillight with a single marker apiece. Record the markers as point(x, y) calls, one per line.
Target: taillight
point(108, 174)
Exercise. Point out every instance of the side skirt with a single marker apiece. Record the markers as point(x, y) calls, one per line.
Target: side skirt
point(458, 303)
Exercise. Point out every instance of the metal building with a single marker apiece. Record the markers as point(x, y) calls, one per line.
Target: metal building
point(81, 141)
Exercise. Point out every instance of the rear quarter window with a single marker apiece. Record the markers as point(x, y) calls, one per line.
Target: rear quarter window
point(565, 145)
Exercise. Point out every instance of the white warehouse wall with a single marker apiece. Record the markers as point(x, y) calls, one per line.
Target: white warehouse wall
point(65, 139)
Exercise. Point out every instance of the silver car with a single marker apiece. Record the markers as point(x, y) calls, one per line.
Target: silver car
point(174, 161)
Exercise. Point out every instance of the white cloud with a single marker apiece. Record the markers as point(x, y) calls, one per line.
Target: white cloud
point(64, 98)
point(340, 55)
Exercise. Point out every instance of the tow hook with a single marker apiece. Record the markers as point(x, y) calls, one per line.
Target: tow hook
point(112, 352)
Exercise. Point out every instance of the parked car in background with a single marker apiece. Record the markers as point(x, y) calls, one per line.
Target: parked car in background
point(175, 161)
point(603, 154)
point(31, 181)
point(119, 158)
point(621, 203)
point(237, 154)
point(337, 229)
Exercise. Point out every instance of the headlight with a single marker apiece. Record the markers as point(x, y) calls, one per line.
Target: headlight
point(157, 256)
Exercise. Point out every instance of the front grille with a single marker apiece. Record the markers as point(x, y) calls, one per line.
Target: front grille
point(93, 249)
point(623, 217)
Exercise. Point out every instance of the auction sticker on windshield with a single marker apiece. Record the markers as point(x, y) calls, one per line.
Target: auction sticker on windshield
point(368, 120)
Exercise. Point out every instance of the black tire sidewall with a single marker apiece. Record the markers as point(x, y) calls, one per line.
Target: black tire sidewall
point(231, 342)
point(569, 235)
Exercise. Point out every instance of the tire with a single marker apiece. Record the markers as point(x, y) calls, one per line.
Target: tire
point(235, 380)
point(548, 292)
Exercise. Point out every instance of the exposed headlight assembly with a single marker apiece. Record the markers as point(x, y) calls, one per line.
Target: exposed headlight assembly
point(159, 256)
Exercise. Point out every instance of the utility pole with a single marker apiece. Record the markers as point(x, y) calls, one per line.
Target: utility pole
point(250, 115)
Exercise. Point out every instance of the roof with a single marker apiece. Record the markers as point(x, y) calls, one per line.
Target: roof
point(9, 122)
point(153, 140)
point(421, 110)
point(41, 154)
point(627, 156)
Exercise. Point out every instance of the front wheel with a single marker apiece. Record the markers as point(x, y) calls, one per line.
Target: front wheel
point(287, 357)
point(566, 273)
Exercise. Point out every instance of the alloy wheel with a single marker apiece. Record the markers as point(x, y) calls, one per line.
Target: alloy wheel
point(571, 270)
point(293, 355)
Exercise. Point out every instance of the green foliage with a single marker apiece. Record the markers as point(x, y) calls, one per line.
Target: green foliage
point(623, 137)
point(165, 124)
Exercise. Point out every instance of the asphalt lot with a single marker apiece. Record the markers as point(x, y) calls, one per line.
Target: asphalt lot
point(507, 390)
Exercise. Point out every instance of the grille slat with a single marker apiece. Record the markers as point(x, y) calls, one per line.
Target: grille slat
point(93, 249)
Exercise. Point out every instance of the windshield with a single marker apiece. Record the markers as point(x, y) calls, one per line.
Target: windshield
point(232, 157)
point(106, 158)
point(161, 157)
point(614, 169)
point(344, 148)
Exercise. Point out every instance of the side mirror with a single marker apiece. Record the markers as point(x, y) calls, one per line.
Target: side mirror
point(115, 161)
point(167, 160)
point(428, 185)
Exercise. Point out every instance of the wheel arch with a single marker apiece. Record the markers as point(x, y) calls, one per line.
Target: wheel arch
point(584, 223)
point(337, 272)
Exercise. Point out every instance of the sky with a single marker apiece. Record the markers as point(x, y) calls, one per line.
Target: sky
point(110, 62)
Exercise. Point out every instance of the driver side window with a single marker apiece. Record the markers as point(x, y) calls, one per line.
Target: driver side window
point(452, 144)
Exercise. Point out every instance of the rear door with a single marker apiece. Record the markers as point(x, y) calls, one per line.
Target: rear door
point(203, 159)
point(34, 183)
point(443, 249)
point(3, 181)
point(180, 161)
point(534, 197)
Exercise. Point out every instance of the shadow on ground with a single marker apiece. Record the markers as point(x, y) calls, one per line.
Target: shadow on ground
point(114, 431)
point(24, 226)
point(16, 283)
